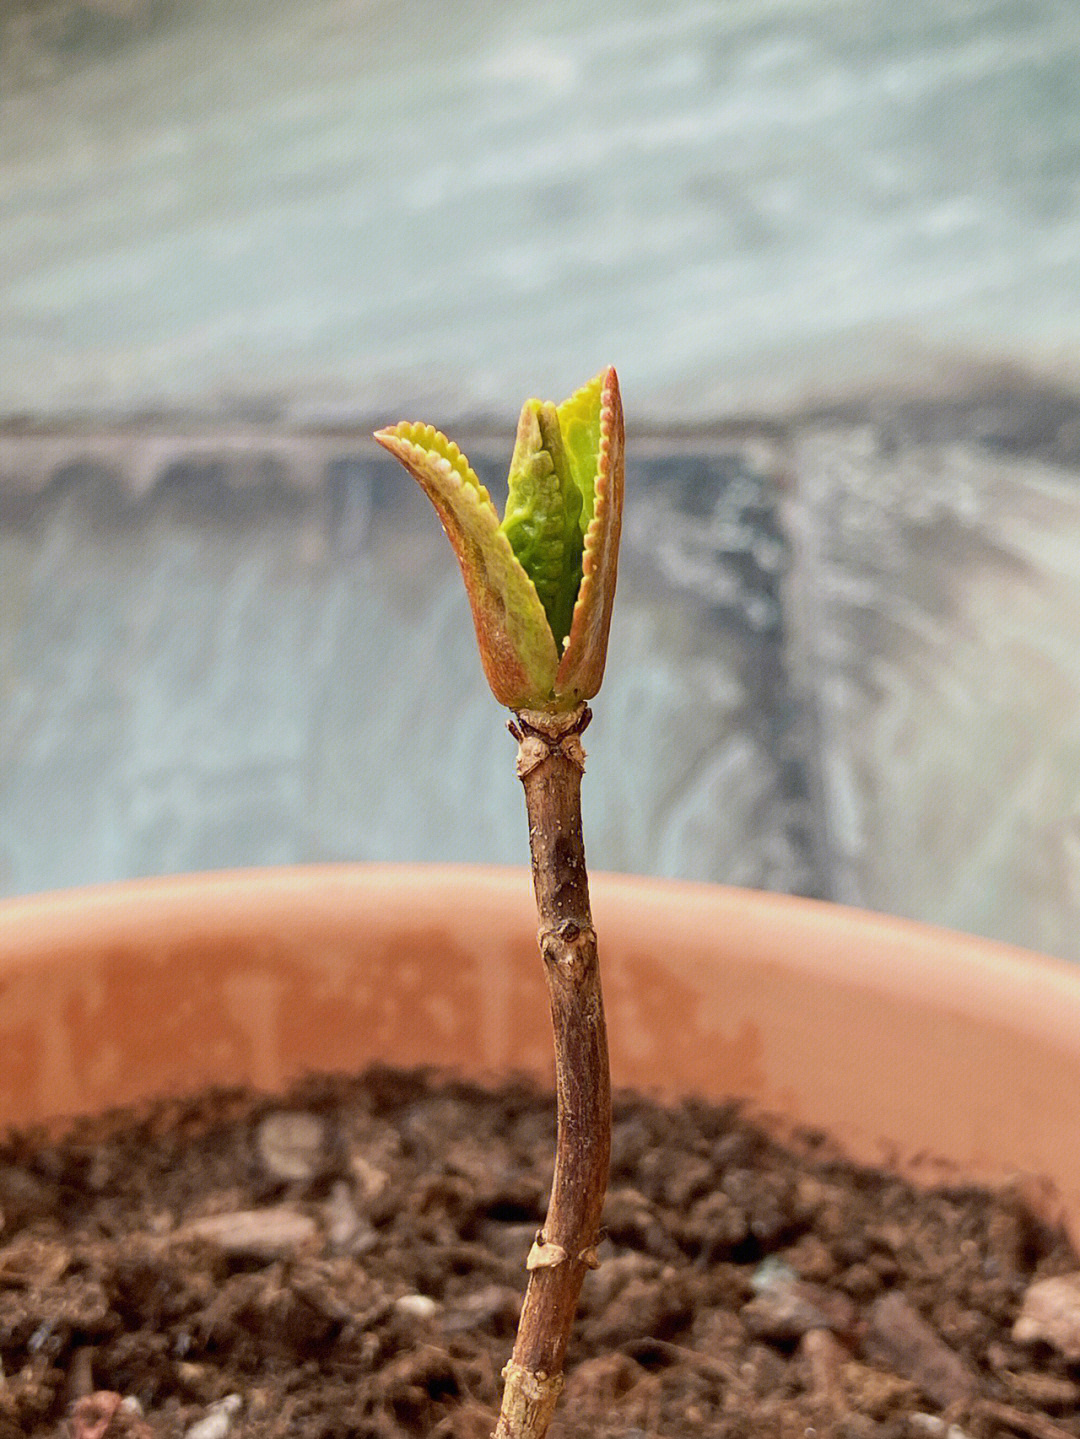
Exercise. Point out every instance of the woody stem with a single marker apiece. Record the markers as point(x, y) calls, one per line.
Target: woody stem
point(550, 764)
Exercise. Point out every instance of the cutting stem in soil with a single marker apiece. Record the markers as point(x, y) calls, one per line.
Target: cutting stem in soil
point(550, 765)
point(541, 583)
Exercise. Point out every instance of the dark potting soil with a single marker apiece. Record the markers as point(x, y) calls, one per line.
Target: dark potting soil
point(350, 1261)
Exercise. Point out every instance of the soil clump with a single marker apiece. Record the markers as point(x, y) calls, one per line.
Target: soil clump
point(348, 1263)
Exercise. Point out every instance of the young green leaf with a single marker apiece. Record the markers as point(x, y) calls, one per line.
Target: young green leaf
point(542, 583)
point(542, 512)
point(513, 636)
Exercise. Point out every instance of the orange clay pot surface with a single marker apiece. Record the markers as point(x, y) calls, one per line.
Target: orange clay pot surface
point(948, 1056)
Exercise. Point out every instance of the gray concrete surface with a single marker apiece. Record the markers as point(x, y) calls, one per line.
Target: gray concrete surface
point(349, 206)
point(844, 662)
point(220, 671)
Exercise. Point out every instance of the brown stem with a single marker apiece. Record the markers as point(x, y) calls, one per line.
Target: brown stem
point(550, 764)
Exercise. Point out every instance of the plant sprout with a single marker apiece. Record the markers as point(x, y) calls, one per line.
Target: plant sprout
point(541, 584)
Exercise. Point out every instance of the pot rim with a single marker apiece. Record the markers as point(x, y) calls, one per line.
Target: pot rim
point(951, 1056)
point(975, 974)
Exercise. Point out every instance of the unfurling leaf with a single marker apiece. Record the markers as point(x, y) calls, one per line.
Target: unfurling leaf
point(542, 513)
point(542, 583)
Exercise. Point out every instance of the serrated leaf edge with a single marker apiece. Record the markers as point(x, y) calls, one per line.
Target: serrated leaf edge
point(583, 405)
point(442, 471)
point(582, 665)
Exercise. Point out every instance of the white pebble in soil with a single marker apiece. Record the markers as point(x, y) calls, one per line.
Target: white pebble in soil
point(416, 1306)
point(218, 1420)
point(291, 1144)
point(1051, 1313)
point(258, 1234)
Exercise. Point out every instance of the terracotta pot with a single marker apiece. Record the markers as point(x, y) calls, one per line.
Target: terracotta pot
point(949, 1056)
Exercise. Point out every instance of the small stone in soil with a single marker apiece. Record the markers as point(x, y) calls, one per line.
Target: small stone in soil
point(218, 1421)
point(259, 1234)
point(901, 1337)
point(292, 1145)
point(1051, 1313)
point(934, 1427)
point(416, 1306)
point(786, 1307)
point(347, 1231)
point(495, 1307)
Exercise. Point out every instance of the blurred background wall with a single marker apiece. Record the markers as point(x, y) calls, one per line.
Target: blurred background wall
point(833, 247)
